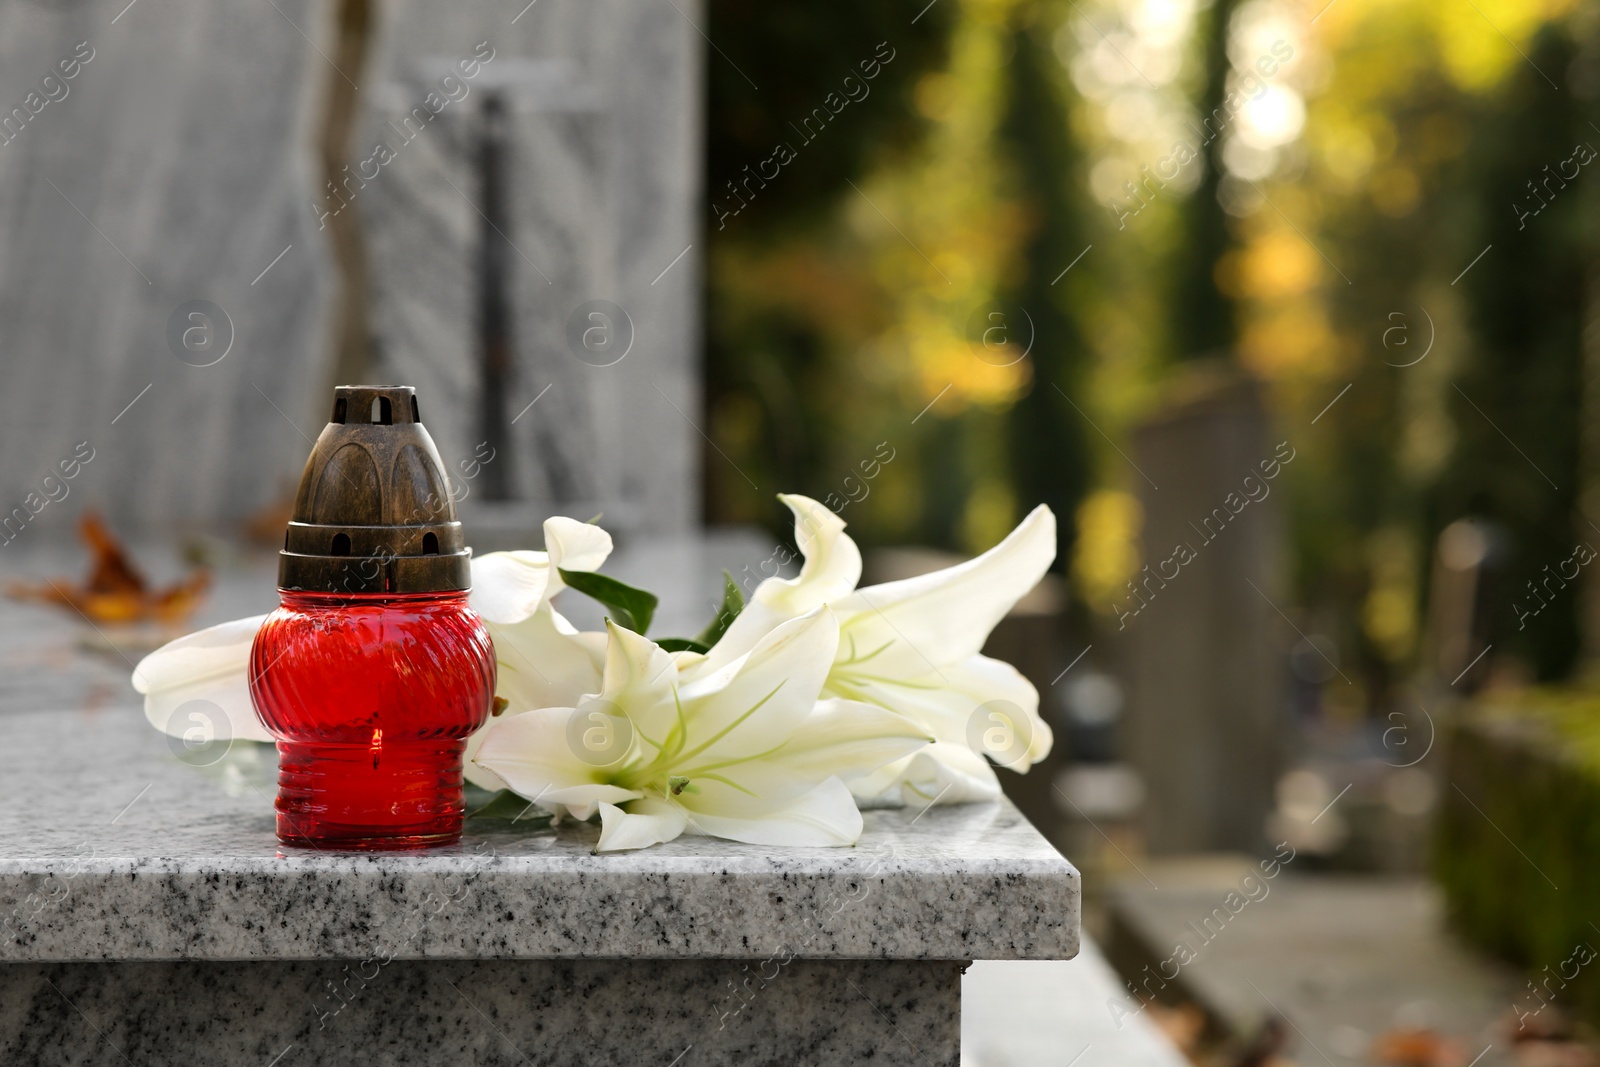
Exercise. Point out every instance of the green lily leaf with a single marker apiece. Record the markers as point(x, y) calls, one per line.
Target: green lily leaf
point(630, 607)
point(682, 644)
point(732, 604)
point(506, 806)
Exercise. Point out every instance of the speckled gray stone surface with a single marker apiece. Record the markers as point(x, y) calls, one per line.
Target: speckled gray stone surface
point(112, 849)
point(529, 1012)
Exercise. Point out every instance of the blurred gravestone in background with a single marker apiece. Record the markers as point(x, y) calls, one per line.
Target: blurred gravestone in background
point(177, 228)
point(530, 243)
point(169, 169)
point(1206, 725)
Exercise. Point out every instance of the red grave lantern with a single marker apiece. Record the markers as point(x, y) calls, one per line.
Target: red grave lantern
point(373, 671)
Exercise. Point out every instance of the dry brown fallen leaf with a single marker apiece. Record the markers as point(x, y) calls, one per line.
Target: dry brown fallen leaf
point(1418, 1048)
point(116, 591)
point(1183, 1025)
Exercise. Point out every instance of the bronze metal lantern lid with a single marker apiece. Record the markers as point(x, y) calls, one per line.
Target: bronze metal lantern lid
point(374, 514)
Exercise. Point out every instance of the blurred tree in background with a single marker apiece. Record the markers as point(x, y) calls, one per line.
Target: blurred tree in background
point(1416, 140)
point(1047, 459)
point(1202, 316)
point(791, 303)
point(1326, 237)
point(851, 310)
point(1523, 383)
point(775, 64)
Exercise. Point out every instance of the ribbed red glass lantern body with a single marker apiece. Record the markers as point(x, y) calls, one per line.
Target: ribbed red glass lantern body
point(371, 698)
point(373, 672)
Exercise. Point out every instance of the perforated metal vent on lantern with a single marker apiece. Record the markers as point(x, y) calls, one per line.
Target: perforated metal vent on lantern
point(374, 513)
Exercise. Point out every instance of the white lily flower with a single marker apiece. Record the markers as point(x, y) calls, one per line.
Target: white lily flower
point(542, 658)
point(913, 647)
point(210, 665)
point(744, 752)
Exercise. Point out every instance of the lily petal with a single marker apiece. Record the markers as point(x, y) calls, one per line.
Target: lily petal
point(508, 587)
point(946, 616)
point(841, 738)
point(825, 816)
point(958, 702)
point(832, 561)
point(211, 665)
point(855, 738)
point(647, 822)
point(638, 683)
point(574, 545)
point(832, 568)
point(532, 755)
point(942, 773)
point(760, 700)
point(948, 774)
point(545, 662)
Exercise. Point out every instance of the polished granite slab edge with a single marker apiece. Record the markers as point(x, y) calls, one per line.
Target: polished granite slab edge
point(151, 914)
point(112, 848)
point(763, 1011)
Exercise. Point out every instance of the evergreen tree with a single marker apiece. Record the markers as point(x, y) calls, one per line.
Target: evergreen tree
point(1046, 435)
point(1202, 317)
point(1518, 405)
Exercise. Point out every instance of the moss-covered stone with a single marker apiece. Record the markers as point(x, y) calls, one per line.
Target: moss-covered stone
point(1518, 841)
